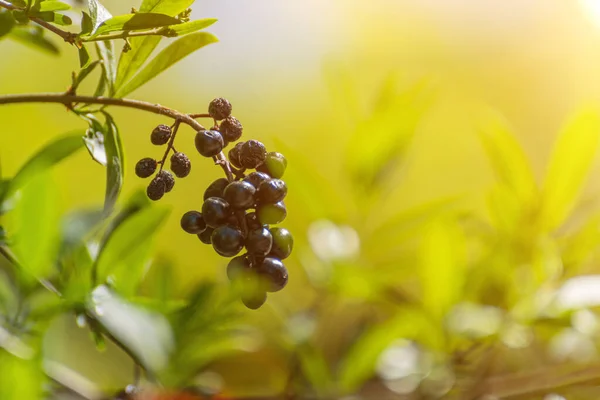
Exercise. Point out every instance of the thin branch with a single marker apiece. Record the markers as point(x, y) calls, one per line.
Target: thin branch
point(204, 115)
point(126, 34)
point(67, 36)
point(70, 99)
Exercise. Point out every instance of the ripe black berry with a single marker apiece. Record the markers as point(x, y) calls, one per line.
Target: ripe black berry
point(180, 165)
point(240, 195)
point(192, 222)
point(156, 189)
point(227, 241)
point(160, 135)
point(271, 191)
point(216, 188)
point(274, 273)
point(252, 221)
point(254, 299)
point(209, 143)
point(256, 178)
point(252, 154)
point(259, 242)
point(283, 243)
point(145, 167)
point(271, 213)
point(215, 211)
point(231, 129)
point(205, 235)
point(238, 267)
point(274, 165)
point(234, 155)
point(219, 108)
point(168, 178)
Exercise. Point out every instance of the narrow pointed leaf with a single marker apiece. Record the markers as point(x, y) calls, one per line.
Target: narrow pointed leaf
point(115, 173)
point(190, 27)
point(170, 7)
point(50, 5)
point(98, 13)
point(132, 22)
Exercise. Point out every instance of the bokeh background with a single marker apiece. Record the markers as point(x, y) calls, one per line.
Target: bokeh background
point(378, 107)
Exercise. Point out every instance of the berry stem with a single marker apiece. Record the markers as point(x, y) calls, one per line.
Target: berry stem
point(68, 99)
point(169, 145)
point(199, 116)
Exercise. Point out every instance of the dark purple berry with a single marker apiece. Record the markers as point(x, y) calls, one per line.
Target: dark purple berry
point(238, 267)
point(205, 235)
point(209, 143)
point(271, 191)
point(240, 195)
point(254, 299)
point(274, 165)
point(156, 188)
point(216, 188)
point(219, 108)
point(215, 211)
point(145, 167)
point(231, 129)
point(256, 178)
point(180, 165)
point(252, 221)
point(192, 222)
point(227, 241)
point(259, 242)
point(234, 155)
point(271, 213)
point(252, 154)
point(274, 274)
point(168, 178)
point(160, 135)
point(283, 243)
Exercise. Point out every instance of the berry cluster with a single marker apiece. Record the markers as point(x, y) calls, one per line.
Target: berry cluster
point(237, 212)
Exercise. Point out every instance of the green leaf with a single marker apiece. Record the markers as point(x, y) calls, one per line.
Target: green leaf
point(50, 5)
point(315, 368)
point(84, 72)
point(48, 156)
point(146, 334)
point(131, 61)
point(169, 7)
point(20, 377)
point(125, 253)
point(190, 27)
point(98, 13)
point(115, 161)
point(94, 139)
point(33, 36)
point(84, 59)
point(87, 25)
point(36, 223)
point(7, 22)
point(106, 52)
point(569, 167)
point(132, 22)
point(166, 58)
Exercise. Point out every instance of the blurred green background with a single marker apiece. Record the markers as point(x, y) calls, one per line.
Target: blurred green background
point(396, 203)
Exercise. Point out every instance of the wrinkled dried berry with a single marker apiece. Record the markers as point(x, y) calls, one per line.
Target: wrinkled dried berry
point(192, 222)
point(180, 165)
point(274, 273)
point(283, 243)
point(145, 167)
point(259, 242)
point(256, 178)
point(219, 108)
point(271, 213)
point(231, 129)
point(209, 143)
point(160, 135)
point(168, 178)
point(216, 188)
point(234, 155)
point(205, 235)
point(156, 188)
point(274, 165)
point(271, 191)
point(240, 195)
point(252, 154)
point(215, 211)
point(227, 241)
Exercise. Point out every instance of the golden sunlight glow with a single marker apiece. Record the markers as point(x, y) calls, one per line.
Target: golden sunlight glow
point(592, 10)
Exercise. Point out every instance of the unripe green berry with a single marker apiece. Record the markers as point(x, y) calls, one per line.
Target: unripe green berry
point(160, 135)
point(180, 165)
point(219, 108)
point(156, 188)
point(252, 154)
point(231, 129)
point(209, 143)
point(274, 165)
point(216, 188)
point(193, 222)
point(283, 243)
point(240, 195)
point(227, 241)
point(238, 267)
point(271, 213)
point(145, 167)
point(271, 191)
point(254, 299)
